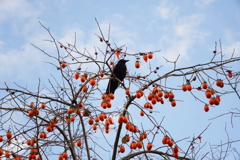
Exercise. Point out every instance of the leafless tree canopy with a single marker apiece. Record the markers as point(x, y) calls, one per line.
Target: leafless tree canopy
point(68, 116)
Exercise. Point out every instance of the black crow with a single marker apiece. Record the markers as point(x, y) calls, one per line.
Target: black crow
point(120, 72)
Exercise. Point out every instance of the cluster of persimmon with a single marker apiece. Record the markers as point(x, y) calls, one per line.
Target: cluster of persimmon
point(63, 156)
point(145, 58)
point(209, 94)
point(139, 94)
point(43, 135)
point(33, 111)
point(157, 94)
point(170, 143)
point(130, 127)
point(106, 100)
point(220, 83)
point(31, 142)
point(83, 78)
point(101, 117)
point(33, 154)
point(135, 145)
point(187, 87)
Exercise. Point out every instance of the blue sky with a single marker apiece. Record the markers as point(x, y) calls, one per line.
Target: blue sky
point(189, 28)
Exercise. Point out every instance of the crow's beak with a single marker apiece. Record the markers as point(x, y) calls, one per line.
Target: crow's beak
point(126, 61)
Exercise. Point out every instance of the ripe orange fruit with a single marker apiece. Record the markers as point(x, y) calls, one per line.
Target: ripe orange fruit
point(175, 155)
point(104, 105)
point(162, 100)
point(131, 128)
point(229, 74)
point(149, 146)
point(65, 155)
point(135, 129)
point(120, 119)
point(150, 96)
point(137, 64)
point(145, 58)
point(164, 140)
point(29, 142)
point(175, 149)
point(83, 78)
point(9, 135)
point(212, 101)
point(170, 143)
point(138, 94)
point(154, 100)
point(125, 119)
point(31, 105)
point(79, 143)
point(111, 95)
point(133, 145)
point(184, 88)
point(139, 144)
point(159, 93)
point(63, 64)
point(218, 97)
point(107, 129)
point(204, 85)
point(122, 149)
point(77, 75)
point(216, 101)
point(101, 74)
point(7, 154)
point(173, 103)
point(110, 121)
point(142, 113)
point(36, 112)
point(127, 91)
point(127, 138)
point(208, 94)
point(30, 113)
point(95, 127)
point(101, 116)
point(171, 95)
point(72, 118)
point(206, 108)
point(60, 157)
point(150, 55)
point(219, 83)
point(1, 138)
point(166, 95)
point(43, 105)
point(92, 81)
point(84, 89)
point(49, 128)
point(70, 110)
point(96, 119)
point(189, 87)
point(118, 53)
point(1, 152)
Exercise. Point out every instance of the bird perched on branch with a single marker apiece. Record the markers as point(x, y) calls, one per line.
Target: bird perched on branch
point(119, 72)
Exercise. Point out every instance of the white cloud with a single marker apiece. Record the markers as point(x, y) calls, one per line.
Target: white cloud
point(231, 42)
point(17, 9)
point(235, 46)
point(203, 3)
point(186, 33)
point(167, 10)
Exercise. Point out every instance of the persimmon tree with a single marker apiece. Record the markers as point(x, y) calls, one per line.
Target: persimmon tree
point(71, 116)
